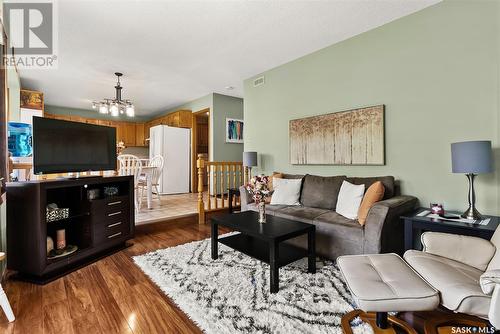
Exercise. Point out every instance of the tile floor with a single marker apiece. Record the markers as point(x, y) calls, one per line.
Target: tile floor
point(171, 207)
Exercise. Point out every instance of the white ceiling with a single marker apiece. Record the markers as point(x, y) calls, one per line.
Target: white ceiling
point(174, 51)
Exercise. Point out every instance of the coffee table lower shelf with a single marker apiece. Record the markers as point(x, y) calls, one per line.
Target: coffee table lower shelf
point(259, 249)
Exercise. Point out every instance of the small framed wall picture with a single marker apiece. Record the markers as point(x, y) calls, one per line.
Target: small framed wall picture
point(234, 130)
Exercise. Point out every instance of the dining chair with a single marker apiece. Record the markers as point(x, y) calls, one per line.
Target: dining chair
point(131, 165)
point(157, 163)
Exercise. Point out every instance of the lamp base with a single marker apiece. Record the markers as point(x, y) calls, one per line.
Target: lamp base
point(472, 214)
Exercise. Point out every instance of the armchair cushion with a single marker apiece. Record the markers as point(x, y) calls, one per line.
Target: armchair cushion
point(489, 280)
point(457, 282)
point(475, 252)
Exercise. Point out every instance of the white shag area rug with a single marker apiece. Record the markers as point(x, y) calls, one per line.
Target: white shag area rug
point(231, 294)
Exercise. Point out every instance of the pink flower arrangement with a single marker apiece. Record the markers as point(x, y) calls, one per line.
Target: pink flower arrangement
point(258, 187)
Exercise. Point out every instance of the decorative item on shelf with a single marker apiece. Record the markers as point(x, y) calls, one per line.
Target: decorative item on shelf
point(115, 106)
point(249, 161)
point(61, 239)
point(234, 130)
point(110, 191)
point(55, 253)
point(54, 213)
point(50, 244)
point(93, 194)
point(258, 187)
point(437, 209)
point(472, 158)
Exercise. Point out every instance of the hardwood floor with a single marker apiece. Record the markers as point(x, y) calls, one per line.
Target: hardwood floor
point(111, 295)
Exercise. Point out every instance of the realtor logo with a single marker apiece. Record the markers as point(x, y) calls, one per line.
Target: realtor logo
point(30, 27)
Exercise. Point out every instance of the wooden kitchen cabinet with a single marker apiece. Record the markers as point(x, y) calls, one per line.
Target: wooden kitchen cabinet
point(139, 134)
point(129, 134)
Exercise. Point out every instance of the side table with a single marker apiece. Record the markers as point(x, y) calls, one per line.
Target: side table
point(416, 225)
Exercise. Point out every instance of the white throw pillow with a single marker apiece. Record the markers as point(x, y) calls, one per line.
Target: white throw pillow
point(286, 191)
point(349, 200)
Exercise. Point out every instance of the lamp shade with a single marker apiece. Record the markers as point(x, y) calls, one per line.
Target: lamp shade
point(472, 157)
point(250, 159)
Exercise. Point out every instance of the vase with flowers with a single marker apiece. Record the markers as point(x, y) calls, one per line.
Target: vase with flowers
point(259, 188)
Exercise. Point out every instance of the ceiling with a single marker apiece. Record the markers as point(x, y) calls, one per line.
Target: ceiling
point(172, 52)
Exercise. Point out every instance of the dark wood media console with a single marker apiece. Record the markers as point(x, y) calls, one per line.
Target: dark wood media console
point(96, 226)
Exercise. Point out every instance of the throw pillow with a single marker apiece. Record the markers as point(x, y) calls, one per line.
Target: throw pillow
point(374, 194)
point(270, 185)
point(349, 200)
point(275, 175)
point(286, 191)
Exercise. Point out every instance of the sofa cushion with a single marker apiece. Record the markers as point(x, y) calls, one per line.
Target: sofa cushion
point(335, 235)
point(387, 181)
point(320, 191)
point(291, 176)
point(457, 283)
point(300, 213)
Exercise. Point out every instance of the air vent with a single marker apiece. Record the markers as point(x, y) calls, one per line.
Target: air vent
point(259, 81)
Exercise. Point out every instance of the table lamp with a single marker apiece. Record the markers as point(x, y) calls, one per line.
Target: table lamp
point(250, 160)
point(472, 158)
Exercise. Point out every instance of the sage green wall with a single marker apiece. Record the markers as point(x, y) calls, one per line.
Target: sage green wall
point(90, 113)
point(225, 107)
point(437, 72)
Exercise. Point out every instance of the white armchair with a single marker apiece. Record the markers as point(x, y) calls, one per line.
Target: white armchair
point(465, 270)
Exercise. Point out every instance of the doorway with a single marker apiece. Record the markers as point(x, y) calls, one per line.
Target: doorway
point(201, 143)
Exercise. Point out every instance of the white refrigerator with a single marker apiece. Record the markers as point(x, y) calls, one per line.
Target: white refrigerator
point(174, 145)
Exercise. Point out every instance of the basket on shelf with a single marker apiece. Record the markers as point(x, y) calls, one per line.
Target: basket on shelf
point(54, 214)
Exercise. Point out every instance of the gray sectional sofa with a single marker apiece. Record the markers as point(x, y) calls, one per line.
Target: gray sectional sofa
point(335, 234)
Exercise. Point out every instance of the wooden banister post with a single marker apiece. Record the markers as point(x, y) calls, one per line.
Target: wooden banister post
point(200, 164)
point(246, 179)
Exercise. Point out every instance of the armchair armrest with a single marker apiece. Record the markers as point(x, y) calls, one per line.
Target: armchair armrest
point(490, 284)
point(383, 228)
point(245, 198)
point(473, 251)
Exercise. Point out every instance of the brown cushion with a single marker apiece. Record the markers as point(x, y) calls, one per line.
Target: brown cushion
point(374, 194)
point(320, 191)
point(387, 181)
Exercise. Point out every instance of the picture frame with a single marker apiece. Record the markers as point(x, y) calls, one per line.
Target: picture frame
point(31, 99)
point(351, 137)
point(234, 130)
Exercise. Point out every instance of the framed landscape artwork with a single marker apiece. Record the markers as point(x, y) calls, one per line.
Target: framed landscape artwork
point(234, 130)
point(31, 99)
point(353, 137)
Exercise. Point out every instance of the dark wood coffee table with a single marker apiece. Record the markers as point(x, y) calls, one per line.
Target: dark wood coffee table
point(264, 242)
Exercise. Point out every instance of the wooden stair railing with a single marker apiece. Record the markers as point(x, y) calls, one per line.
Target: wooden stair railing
point(221, 176)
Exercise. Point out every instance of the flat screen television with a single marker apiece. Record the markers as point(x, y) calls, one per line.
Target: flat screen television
point(63, 146)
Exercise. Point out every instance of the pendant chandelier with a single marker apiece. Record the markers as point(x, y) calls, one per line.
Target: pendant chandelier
point(115, 106)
